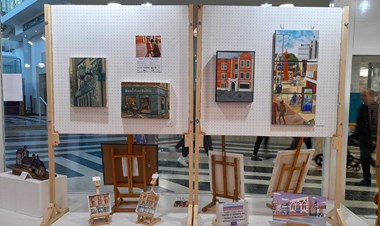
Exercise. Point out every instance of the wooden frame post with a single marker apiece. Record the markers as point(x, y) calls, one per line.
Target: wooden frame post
point(189, 137)
point(53, 213)
point(335, 216)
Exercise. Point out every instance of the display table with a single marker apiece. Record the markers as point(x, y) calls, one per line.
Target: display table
point(30, 196)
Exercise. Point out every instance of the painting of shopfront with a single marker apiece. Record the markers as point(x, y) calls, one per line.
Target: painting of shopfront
point(145, 100)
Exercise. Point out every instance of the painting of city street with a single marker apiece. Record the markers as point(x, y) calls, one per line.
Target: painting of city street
point(148, 53)
point(299, 208)
point(88, 82)
point(145, 100)
point(234, 76)
point(294, 79)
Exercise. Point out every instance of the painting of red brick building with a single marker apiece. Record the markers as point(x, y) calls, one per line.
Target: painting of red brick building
point(235, 76)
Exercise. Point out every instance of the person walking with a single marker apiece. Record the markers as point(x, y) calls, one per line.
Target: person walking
point(259, 139)
point(366, 133)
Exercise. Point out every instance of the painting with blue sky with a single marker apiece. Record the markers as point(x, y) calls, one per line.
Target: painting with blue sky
point(295, 75)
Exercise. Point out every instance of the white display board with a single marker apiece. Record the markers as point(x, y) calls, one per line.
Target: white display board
point(110, 32)
point(12, 87)
point(243, 28)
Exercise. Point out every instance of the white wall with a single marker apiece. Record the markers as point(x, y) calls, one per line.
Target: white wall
point(243, 28)
point(110, 32)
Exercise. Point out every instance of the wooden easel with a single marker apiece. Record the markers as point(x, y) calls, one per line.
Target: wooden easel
point(119, 197)
point(291, 170)
point(335, 216)
point(99, 218)
point(148, 219)
point(224, 163)
point(192, 211)
point(53, 212)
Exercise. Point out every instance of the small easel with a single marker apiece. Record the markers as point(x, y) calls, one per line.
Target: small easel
point(119, 197)
point(291, 169)
point(149, 200)
point(224, 163)
point(98, 218)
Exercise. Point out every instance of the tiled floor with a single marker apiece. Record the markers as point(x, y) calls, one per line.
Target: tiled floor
point(79, 157)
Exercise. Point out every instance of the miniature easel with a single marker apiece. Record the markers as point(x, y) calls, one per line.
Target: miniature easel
point(94, 218)
point(119, 197)
point(224, 163)
point(148, 219)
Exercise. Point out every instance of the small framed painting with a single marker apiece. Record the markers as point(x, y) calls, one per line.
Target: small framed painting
point(234, 76)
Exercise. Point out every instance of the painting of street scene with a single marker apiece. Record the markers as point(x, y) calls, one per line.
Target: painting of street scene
point(234, 76)
point(148, 53)
point(294, 79)
point(299, 208)
point(145, 100)
point(88, 82)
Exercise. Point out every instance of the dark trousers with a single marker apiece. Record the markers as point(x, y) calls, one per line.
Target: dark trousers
point(207, 144)
point(258, 143)
point(366, 150)
point(306, 140)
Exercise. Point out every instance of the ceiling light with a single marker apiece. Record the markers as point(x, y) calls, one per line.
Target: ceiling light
point(43, 37)
point(41, 65)
point(266, 5)
point(146, 4)
point(30, 43)
point(287, 5)
point(113, 4)
point(27, 65)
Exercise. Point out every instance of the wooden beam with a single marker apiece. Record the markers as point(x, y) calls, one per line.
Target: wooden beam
point(53, 212)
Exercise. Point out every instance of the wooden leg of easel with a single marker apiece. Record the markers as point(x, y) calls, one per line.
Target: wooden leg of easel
point(52, 214)
point(335, 217)
point(190, 215)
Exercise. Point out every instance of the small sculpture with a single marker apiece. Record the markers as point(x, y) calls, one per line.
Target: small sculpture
point(32, 165)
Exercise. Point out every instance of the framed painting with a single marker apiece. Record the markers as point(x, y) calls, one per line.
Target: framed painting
point(294, 79)
point(235, 71)
point(145, 100)
point(283, 180)
point(88, 86)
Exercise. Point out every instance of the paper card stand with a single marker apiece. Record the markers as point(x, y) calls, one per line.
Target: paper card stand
point(147, 205)
point(231, 214)
point(99, 206)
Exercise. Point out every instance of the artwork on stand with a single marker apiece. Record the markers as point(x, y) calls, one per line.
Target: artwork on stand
point(283, 178)
point(299, 208)
point(235, 71)
point(145, 100)
point(99, 203)
point(147, 203)
point(148, 53)
point(294, 79)
point(88, 82)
